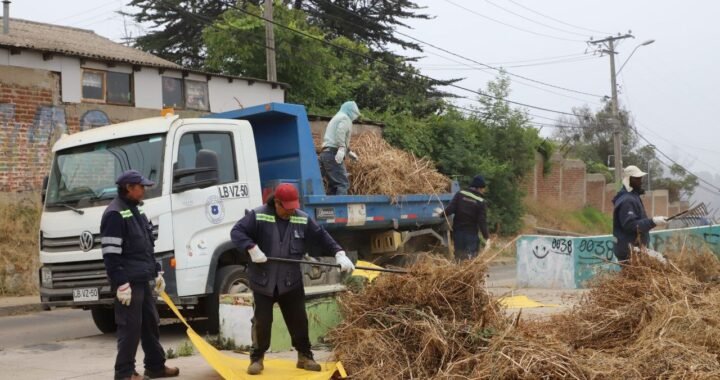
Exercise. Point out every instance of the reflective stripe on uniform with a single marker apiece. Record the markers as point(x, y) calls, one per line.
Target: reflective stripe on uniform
point(471, 195)
point(298, 220)
point(126, 214)
point(265, 218)
point(111, 240)
point(111, 249)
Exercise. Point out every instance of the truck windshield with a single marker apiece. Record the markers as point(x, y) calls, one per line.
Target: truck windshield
point(85, 176)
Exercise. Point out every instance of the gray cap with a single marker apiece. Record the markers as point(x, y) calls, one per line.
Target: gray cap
point(133, 177)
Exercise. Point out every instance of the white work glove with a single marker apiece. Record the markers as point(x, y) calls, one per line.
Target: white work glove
point(345, 264)
point(438, 212)
point(353, 156)
point(340, 155)
point(257, 255)
point(124, 294)
point(160, 283)
point(660, 220)
point(488, 244)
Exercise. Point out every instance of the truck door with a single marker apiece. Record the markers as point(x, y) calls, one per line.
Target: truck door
point(202, 218)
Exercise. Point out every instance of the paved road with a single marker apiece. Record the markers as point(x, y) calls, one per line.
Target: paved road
point(45, 327)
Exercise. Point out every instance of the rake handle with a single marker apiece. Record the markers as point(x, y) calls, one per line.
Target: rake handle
point(293, 261)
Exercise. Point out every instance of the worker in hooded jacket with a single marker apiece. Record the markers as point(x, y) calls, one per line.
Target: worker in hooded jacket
point(336, 147)
point(279, 229)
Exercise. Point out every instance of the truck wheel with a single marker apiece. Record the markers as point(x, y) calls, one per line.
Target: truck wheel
point(104, 318)
point(229, 279)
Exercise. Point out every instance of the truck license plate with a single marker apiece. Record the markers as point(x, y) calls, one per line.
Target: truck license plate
point(85, 294)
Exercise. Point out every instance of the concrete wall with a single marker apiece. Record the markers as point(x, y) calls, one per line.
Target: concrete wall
point(569, 262)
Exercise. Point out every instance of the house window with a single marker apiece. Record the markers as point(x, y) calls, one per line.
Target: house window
point(107, 87)
point(119, 88)
point(93, 85)
point(172, 92)
point(196, 95)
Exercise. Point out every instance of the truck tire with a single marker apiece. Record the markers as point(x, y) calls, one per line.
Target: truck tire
point(104, 318)
point(229, 279)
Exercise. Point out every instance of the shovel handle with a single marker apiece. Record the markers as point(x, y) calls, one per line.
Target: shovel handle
point(293, 261)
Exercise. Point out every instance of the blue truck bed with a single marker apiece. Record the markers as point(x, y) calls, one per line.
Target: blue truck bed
point(286, 153)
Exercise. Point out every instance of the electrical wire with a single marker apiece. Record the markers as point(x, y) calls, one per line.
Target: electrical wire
point(461, 56)
point(534, 21)
point(556, 20)
point(512, 26)
point(66, 18)
point(462, 67)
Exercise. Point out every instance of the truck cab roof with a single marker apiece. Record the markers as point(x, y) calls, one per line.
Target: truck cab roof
point(117, 131)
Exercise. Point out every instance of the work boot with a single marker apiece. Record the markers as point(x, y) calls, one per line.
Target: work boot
point(307, 363)
point(134, 376)
point(165, 372)
point(255, 367)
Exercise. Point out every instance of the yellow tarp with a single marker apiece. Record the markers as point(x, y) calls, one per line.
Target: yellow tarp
point(522, 302)
point(232, 368)
point(370, 275)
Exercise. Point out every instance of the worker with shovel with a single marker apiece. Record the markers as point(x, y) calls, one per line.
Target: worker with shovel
point(631, 225)
point(335, 146)
point(470, 212)
point(280, 230)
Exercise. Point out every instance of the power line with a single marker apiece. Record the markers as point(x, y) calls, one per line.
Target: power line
point(533, 21)
point(560, 61)
point(459, 55)
point(367, 57)
point(512, 26)
point(556, 20)
point(65, 18)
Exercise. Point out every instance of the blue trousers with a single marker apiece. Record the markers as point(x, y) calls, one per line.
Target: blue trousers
point(466, 243)
point(334, 173)
point(138, 323)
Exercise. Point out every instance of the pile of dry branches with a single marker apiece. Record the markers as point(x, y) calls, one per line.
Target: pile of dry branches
point(385, 170)
point(650, 320)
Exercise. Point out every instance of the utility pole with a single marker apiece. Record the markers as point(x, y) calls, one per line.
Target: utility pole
point(609, 49)
point(269, 42)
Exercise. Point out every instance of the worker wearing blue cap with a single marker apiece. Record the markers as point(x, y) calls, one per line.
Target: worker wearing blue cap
point(128, 249)
point(470, 212)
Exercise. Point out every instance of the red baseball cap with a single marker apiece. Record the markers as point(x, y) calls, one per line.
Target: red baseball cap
point(288, 196)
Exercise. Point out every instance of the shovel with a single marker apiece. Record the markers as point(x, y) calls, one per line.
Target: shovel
point(293, 261)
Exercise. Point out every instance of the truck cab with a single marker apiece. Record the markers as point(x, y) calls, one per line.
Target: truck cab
point(208, 172)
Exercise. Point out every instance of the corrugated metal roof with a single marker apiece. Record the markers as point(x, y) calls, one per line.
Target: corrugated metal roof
point(76, 42)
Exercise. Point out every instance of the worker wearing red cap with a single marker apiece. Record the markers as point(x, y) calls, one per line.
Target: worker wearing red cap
point(280, 229)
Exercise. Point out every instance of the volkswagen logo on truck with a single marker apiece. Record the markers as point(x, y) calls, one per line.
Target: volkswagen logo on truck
point(86, 241)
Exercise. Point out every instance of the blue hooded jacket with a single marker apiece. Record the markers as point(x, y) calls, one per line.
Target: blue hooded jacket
point(630, 222)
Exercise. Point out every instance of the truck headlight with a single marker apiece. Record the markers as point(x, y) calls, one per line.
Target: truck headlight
point(46, 277)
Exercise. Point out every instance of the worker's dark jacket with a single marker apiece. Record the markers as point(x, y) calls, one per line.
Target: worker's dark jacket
point(128, 245)
point(470, 212)
point(261, 227)
point(630, 223)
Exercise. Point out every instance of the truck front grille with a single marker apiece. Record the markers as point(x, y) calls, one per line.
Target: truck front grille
point(79, 275)
point(65, 244)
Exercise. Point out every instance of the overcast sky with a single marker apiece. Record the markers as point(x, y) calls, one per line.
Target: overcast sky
point(669, 87)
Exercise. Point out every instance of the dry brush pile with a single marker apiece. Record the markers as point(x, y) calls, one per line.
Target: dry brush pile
point(19, 226)
point(650, 320)
point(385, 170)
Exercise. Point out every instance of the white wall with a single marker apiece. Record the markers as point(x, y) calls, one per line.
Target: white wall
point(224, 96)
point(148, 88)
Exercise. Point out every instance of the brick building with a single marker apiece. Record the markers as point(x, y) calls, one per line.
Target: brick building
point(56, 79)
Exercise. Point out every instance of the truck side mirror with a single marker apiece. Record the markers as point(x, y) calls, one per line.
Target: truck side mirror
point(205, 172)
point(43, 191)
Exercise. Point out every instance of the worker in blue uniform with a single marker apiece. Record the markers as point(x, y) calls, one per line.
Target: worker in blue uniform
point(128, 250)
point(631, 225)
point(470, 211)
point(280, 229)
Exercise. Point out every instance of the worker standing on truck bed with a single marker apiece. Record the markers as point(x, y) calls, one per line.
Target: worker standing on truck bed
point(129, 253)
point(280, 229)
point(335, 146)
point(470, 212)
point(631, 226)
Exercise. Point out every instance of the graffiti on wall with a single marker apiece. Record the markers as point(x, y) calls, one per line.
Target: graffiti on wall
point(545, 262)
point(93, 119)
point(27, 145)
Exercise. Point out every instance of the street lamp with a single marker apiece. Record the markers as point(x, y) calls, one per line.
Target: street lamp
point(646, 43)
